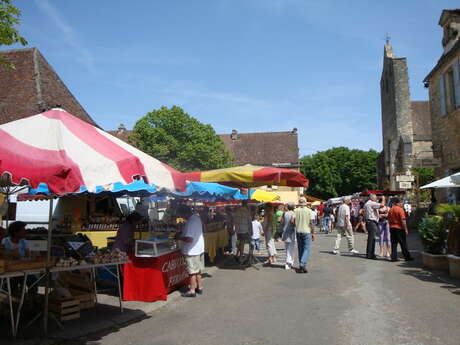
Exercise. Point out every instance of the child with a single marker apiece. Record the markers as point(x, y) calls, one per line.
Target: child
point(256, 232)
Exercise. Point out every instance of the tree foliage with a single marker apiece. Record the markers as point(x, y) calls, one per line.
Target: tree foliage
point(9, 18)
point(177, 139)
point(340, 171)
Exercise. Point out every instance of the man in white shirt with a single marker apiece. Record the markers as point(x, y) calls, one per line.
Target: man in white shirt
point(371, 214)
point(193, 250)
point(344, 228)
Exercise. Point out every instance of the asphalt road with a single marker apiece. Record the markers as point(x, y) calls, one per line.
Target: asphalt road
point(342, 300)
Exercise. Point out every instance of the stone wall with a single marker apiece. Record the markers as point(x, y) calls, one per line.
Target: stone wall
point(446, 129)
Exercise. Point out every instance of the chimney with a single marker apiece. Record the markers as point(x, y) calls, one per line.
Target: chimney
point(450, 22)
point(234, 135)
point(121, 128)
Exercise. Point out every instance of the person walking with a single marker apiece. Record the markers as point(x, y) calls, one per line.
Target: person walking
point(268, 226)
point(398, 230)
point(277, 222)
point(257, 230)
point(193, 249)
point(371, 215)
point(384, 230)
point(344, 227)
point(289, 235)
point(242, 221)
point(305, 233)
point(327, 218)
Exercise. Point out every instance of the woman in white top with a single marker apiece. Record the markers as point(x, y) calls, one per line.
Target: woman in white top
point(289, 236)
point(268, 232)
point(16, 241)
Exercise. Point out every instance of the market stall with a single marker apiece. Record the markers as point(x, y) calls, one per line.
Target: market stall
point(157, 266)
point(68, 160)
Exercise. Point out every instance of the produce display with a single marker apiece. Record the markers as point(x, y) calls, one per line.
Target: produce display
point(105, 257)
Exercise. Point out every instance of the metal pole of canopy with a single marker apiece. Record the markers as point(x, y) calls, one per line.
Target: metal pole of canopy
point(48, 259)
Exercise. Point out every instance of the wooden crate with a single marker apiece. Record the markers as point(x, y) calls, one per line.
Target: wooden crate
point(87, 299)
point(66, 310)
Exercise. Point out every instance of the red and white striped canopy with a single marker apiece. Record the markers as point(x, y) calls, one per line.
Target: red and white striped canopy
point(66, 153)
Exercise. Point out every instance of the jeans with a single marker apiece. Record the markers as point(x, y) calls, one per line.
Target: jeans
point(399, 236)
point(326, 223)
point(303, 244)
point(255, 244)
point(372, 231)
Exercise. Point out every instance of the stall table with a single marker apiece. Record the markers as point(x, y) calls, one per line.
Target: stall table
point(213, 241)
point(42, 273)
point(151, 279)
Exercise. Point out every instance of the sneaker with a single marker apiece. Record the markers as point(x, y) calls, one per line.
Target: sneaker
point(199, 291)
point(189, 294)
point(335, 252)
point(287, 267)
point(354, 251)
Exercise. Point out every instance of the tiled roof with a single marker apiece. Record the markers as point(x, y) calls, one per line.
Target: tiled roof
point(121, 134)
point(263, 148)
point(32, 87)
point(421, 120)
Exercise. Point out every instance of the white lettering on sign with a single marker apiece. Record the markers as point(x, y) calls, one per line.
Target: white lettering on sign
point(171, 265)
point(177, 278)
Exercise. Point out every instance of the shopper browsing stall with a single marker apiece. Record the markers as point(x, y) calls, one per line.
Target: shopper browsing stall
point(125, 235)
point(193, 250)
point(242, 221)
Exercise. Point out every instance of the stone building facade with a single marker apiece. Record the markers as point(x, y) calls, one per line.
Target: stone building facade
point(32, 87)
point(444, 90)
point(406, 124)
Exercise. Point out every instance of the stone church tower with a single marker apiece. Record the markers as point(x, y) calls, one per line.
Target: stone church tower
point(406, 125)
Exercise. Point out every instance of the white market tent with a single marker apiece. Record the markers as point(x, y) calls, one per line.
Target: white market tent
point(451, 181)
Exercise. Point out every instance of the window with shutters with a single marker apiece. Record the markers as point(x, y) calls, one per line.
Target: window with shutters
point(449, 90)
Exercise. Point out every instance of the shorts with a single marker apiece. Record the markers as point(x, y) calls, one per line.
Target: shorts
point(195, 263)
point(243, 237)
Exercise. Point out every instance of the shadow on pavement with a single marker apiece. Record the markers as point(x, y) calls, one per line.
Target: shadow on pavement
point(414, 269)
point(92, 325)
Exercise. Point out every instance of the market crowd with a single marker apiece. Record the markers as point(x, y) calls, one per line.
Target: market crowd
point(295, 225)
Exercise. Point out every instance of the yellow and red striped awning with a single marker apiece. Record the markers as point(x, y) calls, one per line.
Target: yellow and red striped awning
point(251, 176)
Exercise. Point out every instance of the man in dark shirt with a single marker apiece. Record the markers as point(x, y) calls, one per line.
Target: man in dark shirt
point(327, 212)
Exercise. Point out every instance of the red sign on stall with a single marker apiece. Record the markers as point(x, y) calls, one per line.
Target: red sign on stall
point(151, 279)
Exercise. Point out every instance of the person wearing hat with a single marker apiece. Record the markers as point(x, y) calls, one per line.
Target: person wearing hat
point(344, 227)
point(16, 242)
point(303, 220)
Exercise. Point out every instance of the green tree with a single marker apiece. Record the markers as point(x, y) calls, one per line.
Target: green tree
point(340, 171)
point(9, 18)
point(177, 139)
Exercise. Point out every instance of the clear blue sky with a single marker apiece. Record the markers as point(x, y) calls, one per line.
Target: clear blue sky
point(250, 65)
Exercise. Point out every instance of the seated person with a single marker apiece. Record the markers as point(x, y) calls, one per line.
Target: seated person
point(125, 235)
point(16, 242)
